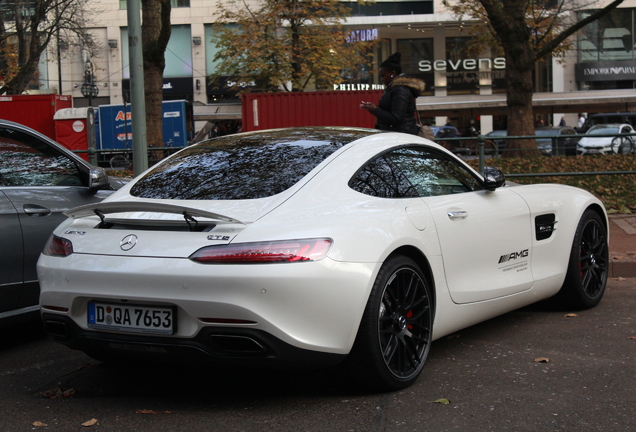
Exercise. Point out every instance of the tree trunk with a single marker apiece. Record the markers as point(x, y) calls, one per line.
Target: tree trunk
point(519, 90)
point(508, 20)
point(155, 34)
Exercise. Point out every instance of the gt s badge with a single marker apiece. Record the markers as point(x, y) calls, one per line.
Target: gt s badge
point(218, 237)
point(513, 256)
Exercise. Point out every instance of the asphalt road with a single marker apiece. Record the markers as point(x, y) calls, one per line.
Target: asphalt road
point(489, 374)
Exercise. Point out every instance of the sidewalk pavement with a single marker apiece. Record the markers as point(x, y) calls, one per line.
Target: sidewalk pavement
point(622, 246)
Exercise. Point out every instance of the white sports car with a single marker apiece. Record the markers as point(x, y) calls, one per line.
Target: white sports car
point(310, 246)
point(607, 139)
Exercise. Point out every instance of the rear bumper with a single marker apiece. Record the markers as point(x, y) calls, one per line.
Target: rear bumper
point(211, 345)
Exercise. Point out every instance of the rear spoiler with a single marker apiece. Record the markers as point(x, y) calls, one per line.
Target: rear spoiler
point(102, 208)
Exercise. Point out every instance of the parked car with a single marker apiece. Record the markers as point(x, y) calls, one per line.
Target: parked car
point(310, 247)
point(609, 118)
point(39, 180)
point(444, 132)
point(555, 140)
point(606, 139)
point(546, 144)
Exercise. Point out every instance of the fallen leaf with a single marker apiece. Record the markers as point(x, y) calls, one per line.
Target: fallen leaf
point(542, 360)
point(442, 401)
point(39, 424)
point(570, 315)
point(68, 393)
point(139, 411)
point(84, 366)
point(631, 337)
point(57, 393)
point(90, 423)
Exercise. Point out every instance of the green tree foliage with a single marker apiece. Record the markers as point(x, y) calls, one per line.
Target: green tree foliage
point(27, 28)
point(285, 44)
point(526, 31)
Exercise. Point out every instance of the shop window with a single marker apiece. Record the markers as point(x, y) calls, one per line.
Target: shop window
point(609, 38)
point(417, 56)
point(387, 8)
point(459, 79)
point(123, 4)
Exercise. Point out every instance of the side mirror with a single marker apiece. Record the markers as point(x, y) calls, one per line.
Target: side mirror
point(493, 178)
point(97, 179)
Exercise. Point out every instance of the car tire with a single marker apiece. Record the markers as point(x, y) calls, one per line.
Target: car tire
point(588, 266)
point(395, 333)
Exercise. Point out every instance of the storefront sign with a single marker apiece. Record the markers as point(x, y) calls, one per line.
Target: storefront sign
point(357, 87)
point(606, 71)
point(462, 64)
point(182, 87)
point(362, 35)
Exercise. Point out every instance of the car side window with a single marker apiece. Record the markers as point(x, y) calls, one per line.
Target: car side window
point(625, 130)
point(409, 172)
point(382, 178)
point(433, 173)
point(26, 160)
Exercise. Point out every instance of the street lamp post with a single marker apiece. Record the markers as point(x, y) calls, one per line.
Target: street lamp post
point(89, 88)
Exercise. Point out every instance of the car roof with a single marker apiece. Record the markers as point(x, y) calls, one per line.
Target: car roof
point(624, 113)
point(554, 127)
point(612, 125)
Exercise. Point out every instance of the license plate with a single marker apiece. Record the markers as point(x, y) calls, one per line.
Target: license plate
point(132, 318)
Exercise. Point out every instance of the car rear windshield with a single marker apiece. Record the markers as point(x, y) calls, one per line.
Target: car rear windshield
point(244, 166)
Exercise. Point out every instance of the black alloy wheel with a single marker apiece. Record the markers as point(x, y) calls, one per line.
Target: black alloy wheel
point(588, 268)
point(395, 333)
point(593, 258)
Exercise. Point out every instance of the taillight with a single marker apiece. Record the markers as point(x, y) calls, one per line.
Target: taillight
point(264, 253)
point(58, 246)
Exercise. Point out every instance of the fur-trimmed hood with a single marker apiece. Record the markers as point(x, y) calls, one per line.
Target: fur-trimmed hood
point(416, 85)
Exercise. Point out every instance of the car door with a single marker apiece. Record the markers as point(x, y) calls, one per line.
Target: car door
point(569, 141)
point(38, 182)
point(485, 236)
point(10, 255)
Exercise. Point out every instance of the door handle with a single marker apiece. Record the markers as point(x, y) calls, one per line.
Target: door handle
point(461, 214)
point(35, 210)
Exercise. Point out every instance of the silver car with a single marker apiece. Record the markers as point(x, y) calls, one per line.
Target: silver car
point(39, 180)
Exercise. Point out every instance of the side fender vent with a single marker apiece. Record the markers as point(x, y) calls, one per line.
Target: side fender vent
point(545, 226)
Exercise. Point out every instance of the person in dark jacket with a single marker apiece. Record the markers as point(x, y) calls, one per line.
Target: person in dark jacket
point(396, 110)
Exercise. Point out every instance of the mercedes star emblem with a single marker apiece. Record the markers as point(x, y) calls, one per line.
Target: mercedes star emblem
point(128, 242)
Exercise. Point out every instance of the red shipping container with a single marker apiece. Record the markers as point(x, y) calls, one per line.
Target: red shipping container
point(333, 108)
point(34, 111)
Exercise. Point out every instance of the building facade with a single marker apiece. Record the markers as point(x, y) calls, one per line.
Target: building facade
point(433, 44)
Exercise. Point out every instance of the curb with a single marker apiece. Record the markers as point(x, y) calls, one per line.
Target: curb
point(622, 268)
